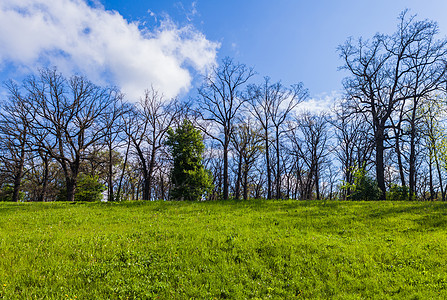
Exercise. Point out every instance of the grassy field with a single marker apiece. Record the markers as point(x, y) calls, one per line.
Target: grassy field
point(235, 250)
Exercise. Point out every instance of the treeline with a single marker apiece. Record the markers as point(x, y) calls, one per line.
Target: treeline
point(61, 138)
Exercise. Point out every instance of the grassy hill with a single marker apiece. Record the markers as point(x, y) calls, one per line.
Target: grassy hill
point(235, 250)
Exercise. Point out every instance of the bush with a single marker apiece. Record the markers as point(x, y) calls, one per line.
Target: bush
point(397, 193)
point(89, 188)
point(364, 187)
point(6, 193)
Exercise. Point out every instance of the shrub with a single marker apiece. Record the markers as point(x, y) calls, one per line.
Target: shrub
point(89, 188)
point(397, 193)
point(364, 186)
point(6, 193)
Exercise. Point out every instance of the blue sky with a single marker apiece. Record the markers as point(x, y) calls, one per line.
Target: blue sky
point(133, 44)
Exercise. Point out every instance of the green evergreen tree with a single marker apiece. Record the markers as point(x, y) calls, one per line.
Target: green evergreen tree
point(191, 181)
point(89, 188)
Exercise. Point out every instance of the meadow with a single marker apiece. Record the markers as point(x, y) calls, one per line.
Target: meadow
point(224, 250)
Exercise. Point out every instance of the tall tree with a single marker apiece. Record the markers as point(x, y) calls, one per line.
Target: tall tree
point(189, 177)
point(220, 99)
point(309, 145)
point(113, 135)
point(380, 73)
point(435, 140)
point(147, 126)
point(15, 121)
point(354, 145)
point(272, 105)
point(284, 100)
point(246, 142)
point(427, 61)
point(68, 114)
point(261, 108)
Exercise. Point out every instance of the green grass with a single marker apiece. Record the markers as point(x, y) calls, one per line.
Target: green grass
point(236, 250)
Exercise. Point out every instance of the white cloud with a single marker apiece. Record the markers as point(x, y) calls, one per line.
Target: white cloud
point(189, 13)
point(101, 44)
point(323, 103)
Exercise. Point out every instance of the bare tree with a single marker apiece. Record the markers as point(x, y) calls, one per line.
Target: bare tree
point(309, 146)
point(67, 119)
point(246, 142)
point(354, 144)
point(15, 121)
point(213, 162)
point(113, 137)
point(284, 100)
point(427, 61)
point(147, 126)
point(219, 102)
point(380, 73)
point(261, 108)
point(271, 105)
point(434, 140)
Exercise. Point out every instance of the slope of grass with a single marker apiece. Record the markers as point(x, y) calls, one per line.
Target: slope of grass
point(236, 250)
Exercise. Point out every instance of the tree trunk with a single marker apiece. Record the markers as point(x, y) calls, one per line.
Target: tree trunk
point(267, 160)
point(46, 174)
point(137, 192)
point(110, 176)
point(146, 184)
point(19, 174)
point(71, 188)
point(278, 171)
point(150, 173)
point(239, 177)
point(412, 162)
point(288, 185)
point(380, 169)
point(16, 188)
point(399, 160)
point(118, 194)
point(430, 174)
point(295, 192)
point(348, 178)
point(438, 168)
point(225, 165)
point(317, 184)
point(245, 182)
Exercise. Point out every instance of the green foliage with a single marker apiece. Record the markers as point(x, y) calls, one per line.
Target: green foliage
point(190, 178)
point(364, 187)
point(397, 193)
point(7, 191)
point(235, 250)
point(89, 188)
